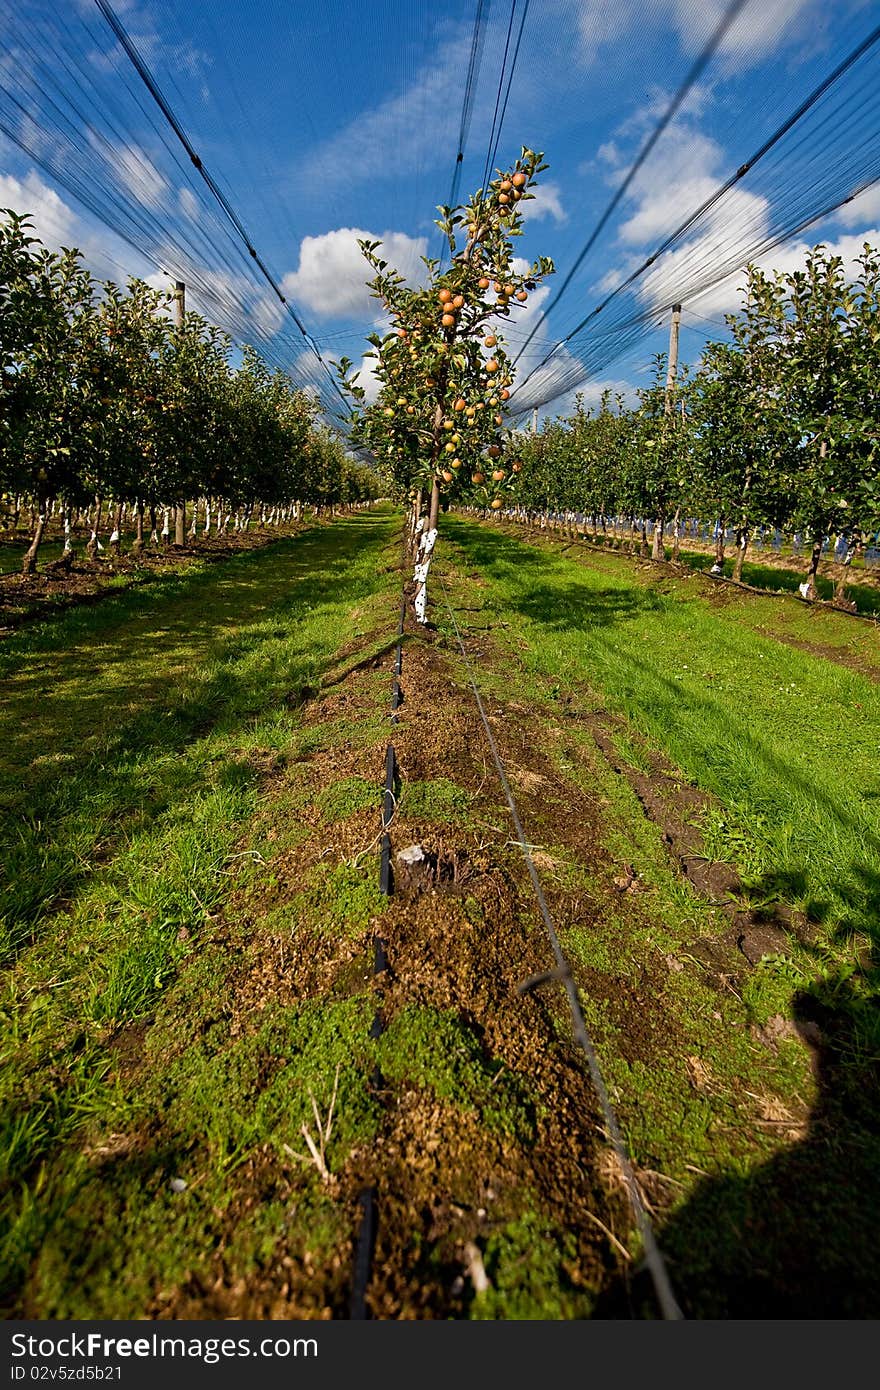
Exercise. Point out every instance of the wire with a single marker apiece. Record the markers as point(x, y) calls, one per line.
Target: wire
point(653, 1257)
point(152, 87)
point(800, 219)
point(696, 70)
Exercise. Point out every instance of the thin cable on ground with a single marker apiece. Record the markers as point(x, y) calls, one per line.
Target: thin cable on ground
point(653, 1258)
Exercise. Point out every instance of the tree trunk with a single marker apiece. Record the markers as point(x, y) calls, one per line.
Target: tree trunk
point(676, 535)
point(434, 509)
point(807, 590)
point(94, 544)
point(115, 534)
point(180, 524)
point(166, 525)
point(658, 552)
point(843, 573)
point(742, 544)
point(138, 527)
point(29, 562)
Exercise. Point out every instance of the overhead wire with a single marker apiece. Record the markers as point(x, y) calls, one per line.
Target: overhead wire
point(70, 104)
point(220, 197)
point(707, 271)
point(696, 70)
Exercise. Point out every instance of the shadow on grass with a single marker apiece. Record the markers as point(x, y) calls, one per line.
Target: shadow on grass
point(106, 773)
point(796, 1237)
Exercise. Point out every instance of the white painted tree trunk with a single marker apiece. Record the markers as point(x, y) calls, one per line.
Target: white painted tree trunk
point(420, 573)
point(166, 524)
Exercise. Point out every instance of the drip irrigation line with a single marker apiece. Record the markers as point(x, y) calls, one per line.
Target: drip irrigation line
point(562, 975)
point(219, 196)
point(730, 15)
point(365, 1242)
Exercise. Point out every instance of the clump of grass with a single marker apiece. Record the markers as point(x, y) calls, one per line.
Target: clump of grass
point(436, 1049)
point(348, 796)
point(529, 1266)
point(344, 898)
point(436, 799)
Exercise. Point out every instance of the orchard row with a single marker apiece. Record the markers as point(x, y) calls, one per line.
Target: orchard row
point(778, 428)
point(105, 399)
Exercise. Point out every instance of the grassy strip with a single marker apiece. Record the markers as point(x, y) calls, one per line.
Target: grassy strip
point(760, 1159)
point(124, 803)
point(785, 740)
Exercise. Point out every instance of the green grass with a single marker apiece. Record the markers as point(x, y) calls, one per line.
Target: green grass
point(786, 740)
point(767, 1156)
point(436, 1049)
point(773, 577)
point(134, 740)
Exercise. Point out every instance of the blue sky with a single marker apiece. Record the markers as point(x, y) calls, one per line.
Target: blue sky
point(325, 121)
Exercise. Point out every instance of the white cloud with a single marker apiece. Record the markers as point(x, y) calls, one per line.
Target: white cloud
point(760, 28)
point(680, 176)
point(728, 296)
point(401, 131)
point(189, 204)
point(763, 26)
point(547, 202)
point(331, 278)
point(53, 221)
point(865, 208)
point(137, 172)
point(738, 220)
point(366, 377)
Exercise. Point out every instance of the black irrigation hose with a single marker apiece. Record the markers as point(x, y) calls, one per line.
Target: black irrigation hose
point(562, 975)
point(366, 1238)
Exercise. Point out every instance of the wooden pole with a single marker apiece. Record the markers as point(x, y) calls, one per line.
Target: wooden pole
point(672, 369)
point(179, 316)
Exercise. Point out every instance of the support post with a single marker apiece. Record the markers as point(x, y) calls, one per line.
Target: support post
point(179, 316)
point(672, 367)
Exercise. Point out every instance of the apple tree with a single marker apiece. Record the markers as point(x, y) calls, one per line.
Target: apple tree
point(437, 427)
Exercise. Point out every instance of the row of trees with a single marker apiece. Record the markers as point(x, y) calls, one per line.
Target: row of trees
point(779, 427)
point(107, 403)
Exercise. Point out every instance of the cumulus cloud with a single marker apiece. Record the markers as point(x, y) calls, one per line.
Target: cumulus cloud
point(139, 175)
point(547, 202)
point(331, 278)
point(189, 203)
point(863, 209)
point(728, 296)
point(53, 221)
point(402, 130)
point(762, 26)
